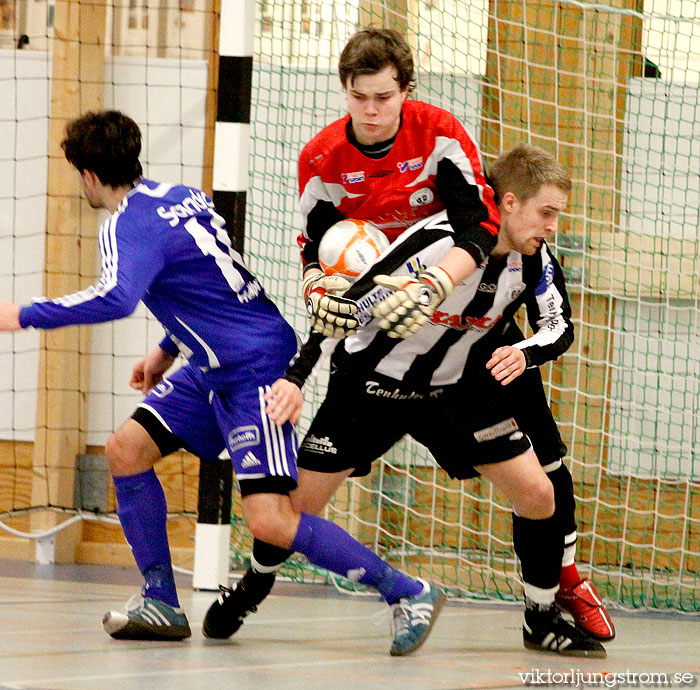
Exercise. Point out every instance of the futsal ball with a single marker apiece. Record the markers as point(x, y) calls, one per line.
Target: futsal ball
point(349, 247)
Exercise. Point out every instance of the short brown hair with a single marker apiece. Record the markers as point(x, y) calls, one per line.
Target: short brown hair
point(524, 169)
point(107, 143)
point(369, 51)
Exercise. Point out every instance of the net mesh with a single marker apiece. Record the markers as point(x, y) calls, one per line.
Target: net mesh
point(614, 94)
point(611, 88)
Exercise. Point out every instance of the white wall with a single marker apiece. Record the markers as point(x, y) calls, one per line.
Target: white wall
point(24, 107)
point(661, 163)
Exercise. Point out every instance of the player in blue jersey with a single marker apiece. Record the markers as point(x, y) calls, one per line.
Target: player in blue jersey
point(166, 245)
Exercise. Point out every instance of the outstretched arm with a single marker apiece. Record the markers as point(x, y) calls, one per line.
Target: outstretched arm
point(9, 317)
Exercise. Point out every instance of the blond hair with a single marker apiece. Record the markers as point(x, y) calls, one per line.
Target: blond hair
point(524, 169)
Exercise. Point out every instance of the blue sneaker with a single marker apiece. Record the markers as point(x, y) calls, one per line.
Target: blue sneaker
point(144, 618)
point(414, 618)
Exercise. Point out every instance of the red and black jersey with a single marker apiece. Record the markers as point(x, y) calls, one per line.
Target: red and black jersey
point(433, 165)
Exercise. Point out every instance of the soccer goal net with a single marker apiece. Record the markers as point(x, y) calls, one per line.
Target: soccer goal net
point(611, 88)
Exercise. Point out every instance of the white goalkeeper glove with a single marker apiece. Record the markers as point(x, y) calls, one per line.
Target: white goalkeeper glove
point(331, 315)
point(413, 302)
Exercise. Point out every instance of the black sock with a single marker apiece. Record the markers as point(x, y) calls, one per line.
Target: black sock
point(564, 501)
point(539, 546)
point(268, 558)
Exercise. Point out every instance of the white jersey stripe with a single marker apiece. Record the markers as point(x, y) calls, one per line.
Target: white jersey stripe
point(270, 428)
point(108, 279)
point(276, 439)
point(155, 414)
point(211, 355)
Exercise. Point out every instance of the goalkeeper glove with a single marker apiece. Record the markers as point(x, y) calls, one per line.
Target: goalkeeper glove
point(331, 315)
point(413, 302)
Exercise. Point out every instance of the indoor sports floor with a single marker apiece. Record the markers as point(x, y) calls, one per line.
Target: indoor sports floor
point(302, 638)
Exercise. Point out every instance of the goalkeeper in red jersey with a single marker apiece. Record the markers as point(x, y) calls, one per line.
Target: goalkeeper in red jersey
point(393, 161)
point(382, 388)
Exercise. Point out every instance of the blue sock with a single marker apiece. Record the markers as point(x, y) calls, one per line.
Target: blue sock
point(143, 514)
point(331, 547)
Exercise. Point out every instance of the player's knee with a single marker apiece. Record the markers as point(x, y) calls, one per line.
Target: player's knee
point(275, 527)
point(118, 455)
point(536, 502)
point(308, 503)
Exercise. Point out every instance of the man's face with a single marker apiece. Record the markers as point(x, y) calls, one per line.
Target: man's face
point(374, 104)
point(90, 183)
point(525, 224)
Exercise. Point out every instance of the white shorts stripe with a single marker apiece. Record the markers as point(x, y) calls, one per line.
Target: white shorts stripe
point(277, 445)
point(268, 450)
point(283, 449)
point(279, 456)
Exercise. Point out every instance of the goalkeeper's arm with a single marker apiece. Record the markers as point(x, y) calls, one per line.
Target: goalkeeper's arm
point(459, 264)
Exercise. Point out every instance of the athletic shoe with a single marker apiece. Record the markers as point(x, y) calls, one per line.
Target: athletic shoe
point(414, 617)
point(557, 636)
point(226, 613)
point(144, 618)
point(583, 602)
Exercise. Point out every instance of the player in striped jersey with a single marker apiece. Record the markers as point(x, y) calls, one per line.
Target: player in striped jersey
point(393, 161)
point(459, 383)
point(166, 245)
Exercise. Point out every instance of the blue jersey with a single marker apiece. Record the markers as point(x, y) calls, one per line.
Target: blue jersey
point(166, 245)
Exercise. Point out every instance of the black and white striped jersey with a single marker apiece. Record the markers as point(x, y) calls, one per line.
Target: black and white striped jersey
point(482, 305)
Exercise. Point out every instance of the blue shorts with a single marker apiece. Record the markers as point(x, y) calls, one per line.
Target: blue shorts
point(208, 418)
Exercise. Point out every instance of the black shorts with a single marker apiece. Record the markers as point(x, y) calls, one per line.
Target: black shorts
point(362, 417)
point(535, 418)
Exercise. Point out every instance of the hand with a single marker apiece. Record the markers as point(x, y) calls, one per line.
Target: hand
point(413, 302)
point(506, 364)
point(9, 317)
point(149, 371)
point(331, 315)
point(284, 402)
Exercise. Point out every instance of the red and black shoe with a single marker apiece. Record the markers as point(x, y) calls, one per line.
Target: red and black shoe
point(583, 602)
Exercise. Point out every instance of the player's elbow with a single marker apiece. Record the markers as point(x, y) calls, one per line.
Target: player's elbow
point(123, 311)
point(123, 305)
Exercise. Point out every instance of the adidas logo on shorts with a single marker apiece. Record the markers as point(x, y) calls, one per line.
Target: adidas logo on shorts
point(249, 460)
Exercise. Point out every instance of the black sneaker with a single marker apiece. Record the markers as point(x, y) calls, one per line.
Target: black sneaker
point(226, 614)
point(551, 633)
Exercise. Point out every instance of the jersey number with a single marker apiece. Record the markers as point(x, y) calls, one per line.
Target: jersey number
point(207, 244)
